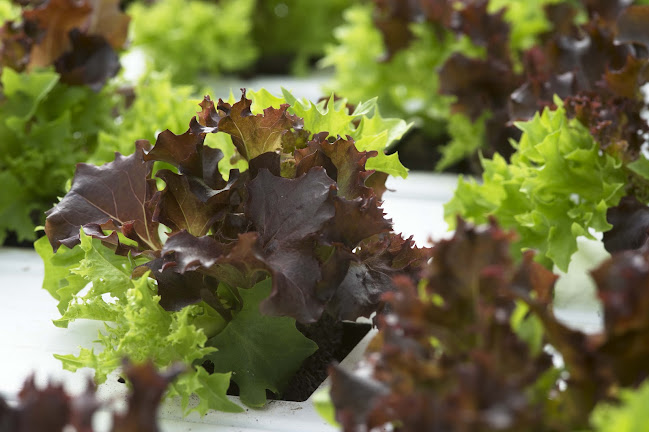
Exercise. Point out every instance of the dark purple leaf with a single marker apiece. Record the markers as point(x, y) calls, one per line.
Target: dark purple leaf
point(187, 153)
point(148, 388)
point(254, 135)
point(91, 61)
point(288, 214)
point(119, 193)
point(630, 220)
point(349, 164)
point(188, 204)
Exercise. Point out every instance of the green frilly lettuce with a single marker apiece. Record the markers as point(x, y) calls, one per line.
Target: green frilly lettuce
point(91, 282)
point(46, 127)
point(557, 187)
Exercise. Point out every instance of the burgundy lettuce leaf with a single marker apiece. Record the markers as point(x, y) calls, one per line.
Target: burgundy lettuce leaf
point(176, 290)
point(632, 26)
point(393, 19)
point(188, 153)
point(342, 161)
point(589, 55)
point(630, 220)
point(479, 85)
point(288, 214)
point(297, 215)
point(98, 28)
point(186, 203)
point(57, 18)
point(607, 10)
point(615, 123)
point(353, 396)
point(118, 193)
point(379, 261)
point(91, 61)
point(447, 355)
point(254, 135)
point(356, 220)
point(626, 82)
point(477, 373)
point(237, 264)
point(207, 120)
point(484, 29)
point(52, 409)
point(148, 388)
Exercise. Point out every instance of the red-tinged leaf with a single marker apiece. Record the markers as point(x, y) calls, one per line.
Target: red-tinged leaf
point(188, 204)
point(209, 116)
point(630, 220)
point(627, 81)
point(253, 135)
point(367, 280)
point(484, 29)
point(393, 19)
point(349, 163)
point(57, 18)
point(452, 375)
point(288, 214)
point(99, 196)
point(176, 290)
point(91, 61)
point(376, 182)
point(187, 153)
point(46, 410)
point(84, 408)
point(16, 41)
point(239, 264)
point(606, 10)
point(270, 161)
point(109, 21)
point(148, 388)
point(537, 93)
point(615, 123)
point(632, 25)
point(479, 85)
point(353, 396)
point(356, 220)
point(621, 286)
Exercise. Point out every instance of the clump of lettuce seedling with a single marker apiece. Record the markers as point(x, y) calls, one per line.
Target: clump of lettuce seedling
point(195, 266)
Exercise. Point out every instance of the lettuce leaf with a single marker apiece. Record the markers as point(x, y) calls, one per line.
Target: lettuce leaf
point(45, 128)
point(557, 186)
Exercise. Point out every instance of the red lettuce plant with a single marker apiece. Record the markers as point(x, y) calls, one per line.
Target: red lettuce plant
point(52, 409)
point(472, 343)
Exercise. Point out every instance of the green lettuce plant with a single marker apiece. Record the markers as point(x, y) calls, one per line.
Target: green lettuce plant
point(296, 30)
point(557, 186)
point(187, 38)
point(45, 128)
